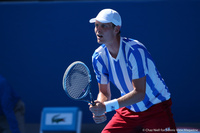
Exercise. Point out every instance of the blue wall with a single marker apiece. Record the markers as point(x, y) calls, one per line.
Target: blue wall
point(39, 40)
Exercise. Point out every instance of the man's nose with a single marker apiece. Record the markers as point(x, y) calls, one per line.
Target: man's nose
point(98, 29)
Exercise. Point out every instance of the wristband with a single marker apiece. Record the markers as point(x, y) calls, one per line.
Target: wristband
point(111, 105)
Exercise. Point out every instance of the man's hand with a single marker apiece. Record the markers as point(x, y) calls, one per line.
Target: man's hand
point(98, 112)
point(99, 109)
point(99, 119)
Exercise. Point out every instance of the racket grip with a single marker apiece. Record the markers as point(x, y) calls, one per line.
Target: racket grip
point(93, 103)
point(92, 100)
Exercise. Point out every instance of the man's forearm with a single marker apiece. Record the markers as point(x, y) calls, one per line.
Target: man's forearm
point(131, 98)
point(102, 97)
point(104, 92)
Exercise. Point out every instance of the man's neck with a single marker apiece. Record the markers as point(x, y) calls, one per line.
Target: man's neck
point(113, 47)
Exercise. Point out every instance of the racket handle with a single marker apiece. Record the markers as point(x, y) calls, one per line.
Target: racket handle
point(93, 103)
point(92, 100)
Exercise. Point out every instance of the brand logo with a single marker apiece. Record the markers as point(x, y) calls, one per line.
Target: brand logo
point(112, 108)
point(57, 119)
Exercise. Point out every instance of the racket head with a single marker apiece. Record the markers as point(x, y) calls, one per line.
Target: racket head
point(76, 80)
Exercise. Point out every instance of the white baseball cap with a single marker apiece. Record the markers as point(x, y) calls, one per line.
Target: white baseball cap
point(107, 16)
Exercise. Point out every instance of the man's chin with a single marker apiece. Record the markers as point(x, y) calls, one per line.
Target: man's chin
point(99, 42)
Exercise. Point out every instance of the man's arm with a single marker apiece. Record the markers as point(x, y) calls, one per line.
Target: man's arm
point(104, 93)
point(135, 96)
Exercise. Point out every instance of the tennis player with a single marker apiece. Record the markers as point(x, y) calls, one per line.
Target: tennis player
point(145, 103)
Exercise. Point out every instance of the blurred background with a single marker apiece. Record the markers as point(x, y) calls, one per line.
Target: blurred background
point(40, 38)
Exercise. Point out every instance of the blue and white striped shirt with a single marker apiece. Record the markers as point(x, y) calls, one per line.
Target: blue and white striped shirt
point(132, 62)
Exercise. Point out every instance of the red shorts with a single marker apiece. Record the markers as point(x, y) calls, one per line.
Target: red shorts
point(156, 119)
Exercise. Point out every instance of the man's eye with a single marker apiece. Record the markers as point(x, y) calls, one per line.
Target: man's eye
point(104, 26)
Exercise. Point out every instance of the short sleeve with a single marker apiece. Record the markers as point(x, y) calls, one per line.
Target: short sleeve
point(100, 69)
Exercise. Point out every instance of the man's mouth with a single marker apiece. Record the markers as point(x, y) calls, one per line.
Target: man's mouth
point(99, 36)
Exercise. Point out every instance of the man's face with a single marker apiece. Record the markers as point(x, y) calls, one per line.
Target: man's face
point(104, 32)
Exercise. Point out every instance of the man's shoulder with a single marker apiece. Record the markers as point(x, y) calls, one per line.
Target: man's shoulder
point(132, 43)
point(99, 51)
point(127, 40)
point(100, 48)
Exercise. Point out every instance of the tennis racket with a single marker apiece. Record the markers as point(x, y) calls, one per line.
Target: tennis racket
point(76, 82)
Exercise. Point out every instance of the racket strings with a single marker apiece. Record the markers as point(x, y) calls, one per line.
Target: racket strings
point(77, 81)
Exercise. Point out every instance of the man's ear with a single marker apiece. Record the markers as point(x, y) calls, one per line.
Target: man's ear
point(117, 29)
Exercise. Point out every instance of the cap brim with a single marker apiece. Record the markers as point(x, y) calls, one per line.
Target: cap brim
point(93, 20)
